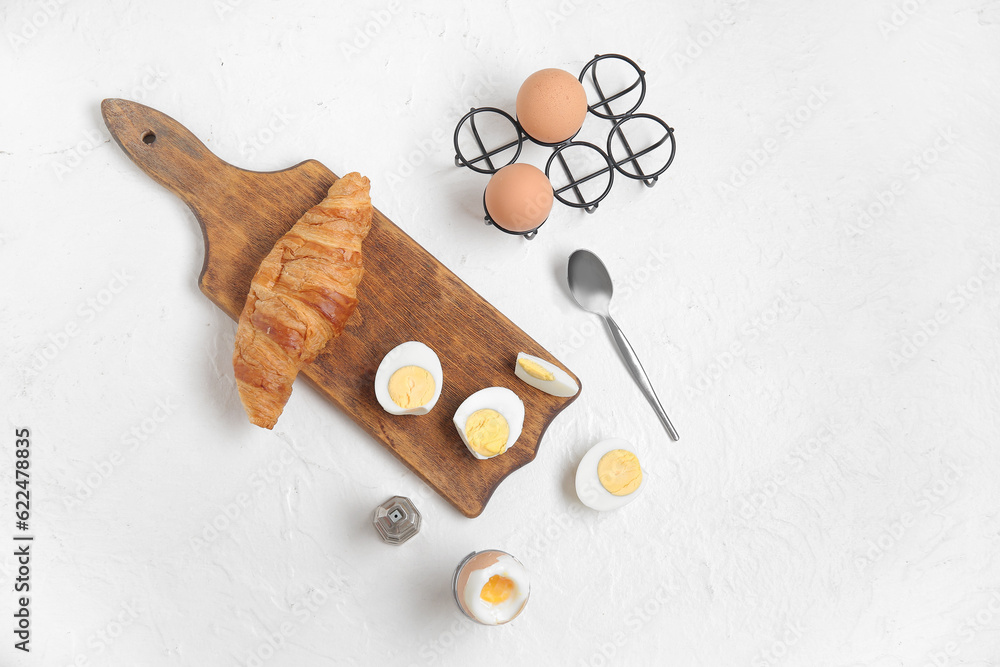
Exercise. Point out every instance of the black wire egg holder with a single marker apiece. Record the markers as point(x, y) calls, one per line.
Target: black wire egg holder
point(602, 109)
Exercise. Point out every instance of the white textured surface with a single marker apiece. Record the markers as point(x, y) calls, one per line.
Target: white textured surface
point(810, 498)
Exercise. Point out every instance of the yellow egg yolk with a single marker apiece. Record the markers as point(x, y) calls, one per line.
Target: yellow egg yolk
point(536, 370)
point(410, 387)
point(487, 432)
point(619, 472)
point(497, 589)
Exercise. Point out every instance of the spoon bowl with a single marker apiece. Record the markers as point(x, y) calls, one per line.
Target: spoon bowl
point(590, 282)
point(591, 286)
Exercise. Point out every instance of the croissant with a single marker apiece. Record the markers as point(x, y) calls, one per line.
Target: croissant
point(301, 297)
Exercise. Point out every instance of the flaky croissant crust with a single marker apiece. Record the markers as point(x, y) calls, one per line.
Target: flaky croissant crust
point(301, 297)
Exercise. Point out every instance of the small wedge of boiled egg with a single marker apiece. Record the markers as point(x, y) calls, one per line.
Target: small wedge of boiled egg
point(409, 379)
point(545, 376)
point(490, 421)
point(609, 475)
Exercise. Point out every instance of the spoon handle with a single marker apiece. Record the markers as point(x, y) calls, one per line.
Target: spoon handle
point(632, 361)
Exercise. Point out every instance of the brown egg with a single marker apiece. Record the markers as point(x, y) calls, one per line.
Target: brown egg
point(551, 106)
point(519, 197)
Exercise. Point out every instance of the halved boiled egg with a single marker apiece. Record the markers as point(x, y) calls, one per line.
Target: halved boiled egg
point(491, 587)
point(545, 375)
point(490, 421)
point(609, 475)
point(409, 379)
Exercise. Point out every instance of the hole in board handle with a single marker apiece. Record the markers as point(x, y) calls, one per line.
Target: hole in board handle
point(148, 137)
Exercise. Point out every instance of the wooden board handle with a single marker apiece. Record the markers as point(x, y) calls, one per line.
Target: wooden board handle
point(229, 202)
point(178, 162)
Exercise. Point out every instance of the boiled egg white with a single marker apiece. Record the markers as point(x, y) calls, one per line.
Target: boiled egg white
point(409, 379)
point(609, 475)
point(490, 421)
point(545, 376)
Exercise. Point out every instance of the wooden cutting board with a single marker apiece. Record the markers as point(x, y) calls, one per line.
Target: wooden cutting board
point(406, 295)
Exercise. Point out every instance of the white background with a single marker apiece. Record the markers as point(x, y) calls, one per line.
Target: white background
point(833, 499)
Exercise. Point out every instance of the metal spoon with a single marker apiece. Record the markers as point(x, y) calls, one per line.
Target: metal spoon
point(592, 288)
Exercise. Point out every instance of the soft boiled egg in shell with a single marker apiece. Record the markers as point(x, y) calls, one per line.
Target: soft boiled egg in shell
point(492, 587)
point(490, 421)
point(409, 379)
